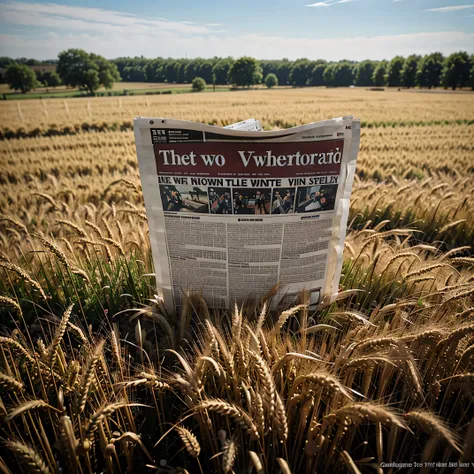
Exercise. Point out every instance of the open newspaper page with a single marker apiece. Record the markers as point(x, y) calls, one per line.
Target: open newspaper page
point(233, 212)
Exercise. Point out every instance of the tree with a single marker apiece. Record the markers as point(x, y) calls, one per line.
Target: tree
point(198, 84)
point(300, 73)
point(429, 70)
point(394, 72)
point(379, 77)
point(317, 75)
point(456, 70)
point(363, 73)
point(170, 73)
point(21, 77)
point(181, 66)
point(328, 75)
point(154, 71)
point(283, 72)
point(338, 75)
point(245, 72)
point(409, 71)
point(471, 74)
point(190, 71)
point(220, 71)
point(76, 68)
point(49, 79)
point(6, 61)
point(271, 80)
point(91, 80)
point(205, 71)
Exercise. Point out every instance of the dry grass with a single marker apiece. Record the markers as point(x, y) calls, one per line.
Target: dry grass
point(276, 108)
point(96, 377)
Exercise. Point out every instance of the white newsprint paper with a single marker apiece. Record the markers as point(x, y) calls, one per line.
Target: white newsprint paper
point(233, 212)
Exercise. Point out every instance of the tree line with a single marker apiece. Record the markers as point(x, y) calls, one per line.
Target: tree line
point(88, 71)
point(432, 70)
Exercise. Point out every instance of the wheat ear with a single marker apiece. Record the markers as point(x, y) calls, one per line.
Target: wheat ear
point(432, 425)
point(58, 336)
point(189, 440)
point(232, 411)
point(8, 383)
point(88, 377)
point(29, 457)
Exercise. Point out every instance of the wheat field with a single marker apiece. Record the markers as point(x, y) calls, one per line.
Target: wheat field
point(95, 376)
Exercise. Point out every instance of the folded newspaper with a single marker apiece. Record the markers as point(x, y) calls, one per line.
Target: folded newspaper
point(235, 210)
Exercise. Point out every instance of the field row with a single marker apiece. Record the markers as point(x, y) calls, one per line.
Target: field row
point(101, 157)
point(276, 108)
point(421, 178)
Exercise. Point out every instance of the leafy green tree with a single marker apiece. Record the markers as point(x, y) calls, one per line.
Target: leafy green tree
point(269, 67)
point(456, 71)
point(169, 71)
point(429, 70)
point(344, 76)
point(471, 74)
point(205, 71)
point(379, 77)
point(220, 71)
point(198, 84)
point(245, 71)
point(53, 79)
point(77, 68)
point(300, 73)
point(317, 75)
point(6, 61)
point(394, 71)
point(49, 79)
point(190, 71)
point(134, 74)
point(180, 68)
point(329, 74)
point(271, 80)
point(409, 71)
point(363, 73)
point(283, 72)
point(338, 75)
point(258, 77)
point(154, 71)
point(91, 80)
point(21, 77)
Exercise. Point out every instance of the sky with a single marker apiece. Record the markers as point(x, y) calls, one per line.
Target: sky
point(265, 29)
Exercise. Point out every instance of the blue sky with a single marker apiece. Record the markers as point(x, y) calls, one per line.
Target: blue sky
point(271, 29)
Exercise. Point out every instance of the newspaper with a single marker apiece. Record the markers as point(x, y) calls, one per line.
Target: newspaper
point(235, 211)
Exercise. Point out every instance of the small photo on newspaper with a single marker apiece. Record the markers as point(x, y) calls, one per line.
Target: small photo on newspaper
point(234, 211)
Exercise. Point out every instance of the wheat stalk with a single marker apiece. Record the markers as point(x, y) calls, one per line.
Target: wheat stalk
point(432, 425)
point(231, 411)
point(360, 412)
point(25, 277)
point(27, 406)
point(4, 300)
point(10, 383)
point(29, 457)
point(88, 377)
point(58, 336)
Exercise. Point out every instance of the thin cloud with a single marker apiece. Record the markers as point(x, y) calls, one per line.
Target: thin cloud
point(452, 8)
point(328, 3)
point(50, 15)
point(112, 45)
